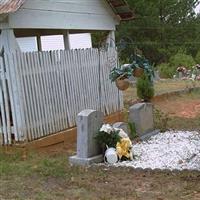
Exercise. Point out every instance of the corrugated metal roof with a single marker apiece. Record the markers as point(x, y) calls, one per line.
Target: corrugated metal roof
point(120, 7)
point(7, 6)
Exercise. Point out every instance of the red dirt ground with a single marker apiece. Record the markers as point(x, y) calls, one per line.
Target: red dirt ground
point(184, 109)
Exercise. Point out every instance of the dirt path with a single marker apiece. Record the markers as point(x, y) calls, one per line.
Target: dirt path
point(181, 108)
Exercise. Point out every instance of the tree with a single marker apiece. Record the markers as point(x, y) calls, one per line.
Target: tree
point(160, 29)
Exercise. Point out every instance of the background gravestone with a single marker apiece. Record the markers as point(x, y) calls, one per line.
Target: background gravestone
point(141, 114)
point(123, 126)
point(88, 151)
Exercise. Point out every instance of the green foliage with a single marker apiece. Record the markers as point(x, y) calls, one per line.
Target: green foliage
point(182, 59)
point(166, 71)
point(132, 129)
point(197, 58)
point(109, 139)
point(99, 38)
point(126, 70)
point(123, 72)
point(145, 89)
point(161, 120)
point(160, 29)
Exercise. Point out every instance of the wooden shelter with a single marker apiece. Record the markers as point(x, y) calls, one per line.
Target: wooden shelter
point(23, 18)
point(23, 75)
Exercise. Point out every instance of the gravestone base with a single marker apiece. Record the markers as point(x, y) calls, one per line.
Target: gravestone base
point(75, 160)
point(146, 136)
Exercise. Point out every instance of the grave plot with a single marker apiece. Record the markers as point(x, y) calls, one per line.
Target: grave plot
point(170, 150)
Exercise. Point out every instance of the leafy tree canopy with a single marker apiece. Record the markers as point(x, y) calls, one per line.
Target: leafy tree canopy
point(160, 29)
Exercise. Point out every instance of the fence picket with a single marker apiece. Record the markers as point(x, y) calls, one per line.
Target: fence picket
point(54, 87)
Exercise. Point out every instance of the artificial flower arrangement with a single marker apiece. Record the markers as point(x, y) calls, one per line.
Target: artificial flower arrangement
point(193, 74)
point(137, 68)
point(116, 138)
point(181, 69)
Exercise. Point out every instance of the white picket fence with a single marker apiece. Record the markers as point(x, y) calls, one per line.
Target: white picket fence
point(41, 93)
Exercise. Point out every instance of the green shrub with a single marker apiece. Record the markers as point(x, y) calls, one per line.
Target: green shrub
point(197, 58)
point(145, 89)
point(166, 71)
point(182, 59)
point(132, 130)
point(161, 120)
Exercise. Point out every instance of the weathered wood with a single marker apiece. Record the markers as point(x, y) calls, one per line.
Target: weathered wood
point(53, 88)
point(68, 136)
point(65, 14)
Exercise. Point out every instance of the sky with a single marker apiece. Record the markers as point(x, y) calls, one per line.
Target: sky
point(198, 8)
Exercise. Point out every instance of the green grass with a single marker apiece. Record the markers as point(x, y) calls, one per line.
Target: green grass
point(164, 86)
point(45, 176)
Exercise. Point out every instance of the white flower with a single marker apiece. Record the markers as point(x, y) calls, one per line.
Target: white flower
point(122, 133)
point(107, 128)
point(193, 76)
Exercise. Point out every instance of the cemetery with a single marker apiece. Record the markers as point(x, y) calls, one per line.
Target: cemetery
point(170, 156)
point(118, 120)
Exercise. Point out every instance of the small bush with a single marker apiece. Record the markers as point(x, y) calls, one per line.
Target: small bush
point(182, 59)
point(166, 71)
point(132, 129)
point(197, 58)
point(161, 120)
point(145, 89)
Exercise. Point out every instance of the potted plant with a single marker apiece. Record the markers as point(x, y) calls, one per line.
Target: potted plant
point(121, 75)
point(145, 89)
point(141, 65)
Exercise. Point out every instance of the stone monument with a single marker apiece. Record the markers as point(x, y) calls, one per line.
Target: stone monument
point(141, 114)
point(88, 151)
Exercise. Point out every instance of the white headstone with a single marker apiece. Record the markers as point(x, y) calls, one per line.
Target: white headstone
point(141, 115)
point(88, 151)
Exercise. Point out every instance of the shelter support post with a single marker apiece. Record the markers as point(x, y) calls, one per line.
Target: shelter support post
point(66, 40)
point(39, 43)
point(8, 42)
point(111, 39)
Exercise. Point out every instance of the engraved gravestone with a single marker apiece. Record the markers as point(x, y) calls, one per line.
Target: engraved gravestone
point(88, 151)
point(141, 114)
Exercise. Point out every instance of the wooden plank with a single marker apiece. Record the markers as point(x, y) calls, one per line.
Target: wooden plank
point(74, 80)
point(57, 102)
point(23, 86)
point(5, 101)
point(76, 6)
point(28, 97)
point(41, 94)
point(3, 112)
point(35, 93)
point(65, 109)
point(52, 90)
point(54, 20)
point(19, 84)
point(69, 90)
point(68, 136)
point(46, 94)
point(13, 94)
point(31, 94)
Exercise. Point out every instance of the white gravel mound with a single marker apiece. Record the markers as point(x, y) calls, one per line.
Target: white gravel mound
point(170, 150)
